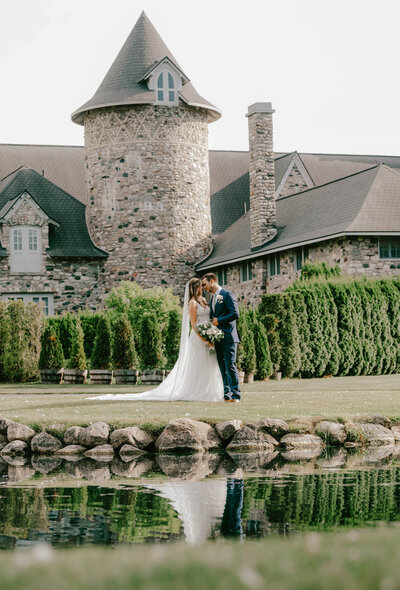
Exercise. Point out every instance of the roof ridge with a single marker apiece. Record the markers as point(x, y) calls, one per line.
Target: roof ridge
point(285, 155)
point(11, 173)
point(41, 145)
point(312, 188)
point(349, 155)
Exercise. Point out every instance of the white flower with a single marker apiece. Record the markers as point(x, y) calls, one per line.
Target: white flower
point(220, 298)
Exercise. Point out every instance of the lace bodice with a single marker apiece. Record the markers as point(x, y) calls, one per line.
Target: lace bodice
point(203, 315)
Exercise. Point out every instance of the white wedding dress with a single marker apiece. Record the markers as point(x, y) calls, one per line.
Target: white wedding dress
point(195, 376)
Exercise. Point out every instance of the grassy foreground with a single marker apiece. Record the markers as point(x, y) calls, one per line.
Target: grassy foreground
point(365, 559)
point(334, 397)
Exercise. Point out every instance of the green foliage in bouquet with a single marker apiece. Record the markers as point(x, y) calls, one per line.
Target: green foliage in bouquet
point(101, 355)
point(51, 354)
point(123, 352)
point(77, 359)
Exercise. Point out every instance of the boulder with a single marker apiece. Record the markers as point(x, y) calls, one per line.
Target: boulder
point(252, 438)
point(135, 468)
point(274, 426)
point(100, 453)
point(20, 473)
point(92, 471)
point(188, 467)
point(337, 459)
point(254, 461)
point(332, 433)
point(44, 443)
point(375, 434)
point(379, 419)
point(375, 454)
point(95, 434)
point(186, 435)
point(71, 435)
point(301, 441)
point(396, 431)
point(298, 455)
point(44, 464)
point(17, 431)
point(128, 452)
point(17, 460)
point(71, 451)
point(228, 428)
point(4, 424)
point(301, 425)
point(132, 435)
point(3, 441)
point(15, 447)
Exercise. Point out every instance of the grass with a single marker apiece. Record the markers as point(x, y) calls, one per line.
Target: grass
point(345, 397)
point(365, 559)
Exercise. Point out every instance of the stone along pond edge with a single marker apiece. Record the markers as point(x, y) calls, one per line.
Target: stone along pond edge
point(183, 435)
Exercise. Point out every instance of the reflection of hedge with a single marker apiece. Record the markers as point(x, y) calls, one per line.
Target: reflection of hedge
point(334, 327)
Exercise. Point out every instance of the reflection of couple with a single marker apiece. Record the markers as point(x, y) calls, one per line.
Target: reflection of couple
point(197, 375)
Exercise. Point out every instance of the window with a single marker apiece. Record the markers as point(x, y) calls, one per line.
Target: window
point(389, 247)
point(274, 265)
point(166, 91)
point(47, 299)
point(26, 249)
point(301, 257)
point(246, 273)
point(222, 276)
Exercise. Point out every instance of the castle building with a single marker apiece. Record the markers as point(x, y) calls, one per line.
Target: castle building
point(145, 200)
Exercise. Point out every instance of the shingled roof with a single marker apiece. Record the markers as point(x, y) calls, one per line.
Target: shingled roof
point(70, 238)
point(367, 202)
point(124, 83)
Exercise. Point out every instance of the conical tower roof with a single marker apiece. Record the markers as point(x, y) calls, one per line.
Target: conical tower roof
point(125, 82)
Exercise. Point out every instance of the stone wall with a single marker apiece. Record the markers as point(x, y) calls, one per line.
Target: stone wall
point(294, 183)
point(358, 256)
point(147, 186)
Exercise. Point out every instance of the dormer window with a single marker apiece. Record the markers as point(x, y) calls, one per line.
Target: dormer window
point(166, 88)
point(26, 249)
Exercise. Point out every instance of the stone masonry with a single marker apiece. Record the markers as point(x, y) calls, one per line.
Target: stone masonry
point(147, 186)
point(261, 173)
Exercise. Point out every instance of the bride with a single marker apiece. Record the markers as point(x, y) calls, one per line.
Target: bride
point(196, 375)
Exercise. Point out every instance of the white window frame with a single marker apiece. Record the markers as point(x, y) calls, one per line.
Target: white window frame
point(26, 249)
point(167, 77)
point(46, 298)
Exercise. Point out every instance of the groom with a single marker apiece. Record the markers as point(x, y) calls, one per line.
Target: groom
point(224, 313)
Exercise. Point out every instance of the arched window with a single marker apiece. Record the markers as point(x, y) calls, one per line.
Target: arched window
point(166, 88)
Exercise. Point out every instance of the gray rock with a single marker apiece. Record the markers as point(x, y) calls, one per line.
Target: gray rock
point(301, 425)
point(375, 434)
point(3, 441)
point(186, 435)
point(45, 464)
point(17, 460)
point(298, 455)
point(100, 453)
point(95, 434)
point(71, 451)
point(257, 461)
point(337, 459)
point(16, 447)
point(17, 431)
point(396, 431)
point(90, 470)
point(379, 419)
point(228, 428)
point(252, 438)
point(4, 424)
point(301, 441)
point(132, 435)
point(374, 454)
point(127, 452)
point(71, 435)
point(135, 468)
point(274, 426)
point(20, 473)
point(188, 467)
point(44, 443)
point(331, 432)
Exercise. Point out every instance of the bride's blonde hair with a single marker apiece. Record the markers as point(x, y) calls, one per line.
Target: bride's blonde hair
point(194, 285)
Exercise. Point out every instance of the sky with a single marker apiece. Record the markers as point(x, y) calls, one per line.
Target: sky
point(329, 68)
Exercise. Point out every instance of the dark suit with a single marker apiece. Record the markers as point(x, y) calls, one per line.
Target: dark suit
point(226, 311)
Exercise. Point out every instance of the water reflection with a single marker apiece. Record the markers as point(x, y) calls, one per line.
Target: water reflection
point(193, 498)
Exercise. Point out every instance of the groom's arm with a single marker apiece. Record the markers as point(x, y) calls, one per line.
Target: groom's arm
point(232, 312)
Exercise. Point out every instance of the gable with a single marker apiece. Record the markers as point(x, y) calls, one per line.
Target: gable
point(23, 210)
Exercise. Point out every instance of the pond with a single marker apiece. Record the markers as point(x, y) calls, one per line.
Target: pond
point(193, 498)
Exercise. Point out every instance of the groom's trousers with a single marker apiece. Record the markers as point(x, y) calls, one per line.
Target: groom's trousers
point(226, 355)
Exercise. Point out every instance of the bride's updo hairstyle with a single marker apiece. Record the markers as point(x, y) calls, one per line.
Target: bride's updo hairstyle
point(195, 289)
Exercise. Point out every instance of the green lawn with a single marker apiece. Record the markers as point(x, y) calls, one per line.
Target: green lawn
point(352, 560)
point(334, 397)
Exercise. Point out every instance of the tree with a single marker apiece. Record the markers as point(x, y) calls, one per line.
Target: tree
point(124, 352)
point(77, 359)
point(151, 350)
point(51, 354)
point(172, 337)
point(101, 356)
point(263, 357)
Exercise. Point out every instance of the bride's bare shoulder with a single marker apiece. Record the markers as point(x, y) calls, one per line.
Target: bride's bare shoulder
point(192, 302)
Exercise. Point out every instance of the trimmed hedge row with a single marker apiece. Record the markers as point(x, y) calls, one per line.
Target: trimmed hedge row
point(334, 327)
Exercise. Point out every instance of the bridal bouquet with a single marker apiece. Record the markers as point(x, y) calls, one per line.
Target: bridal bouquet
point(210, 333)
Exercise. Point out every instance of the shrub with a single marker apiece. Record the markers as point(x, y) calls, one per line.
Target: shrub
point(151, 350)
point(4, 336)
point(51, 354)
point(318, 270)
point(89, 321)
point(65, 326)
point(124, 352)
point(101, 355)
point(77, 359)
point(246, 354)
point(303, 328)
point(263, 357)
point(172, 337)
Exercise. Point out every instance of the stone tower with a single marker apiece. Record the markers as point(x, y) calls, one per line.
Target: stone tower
point(147, 172)
point(261, 173)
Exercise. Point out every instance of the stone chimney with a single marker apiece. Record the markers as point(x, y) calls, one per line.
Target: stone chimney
point(262, 173)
